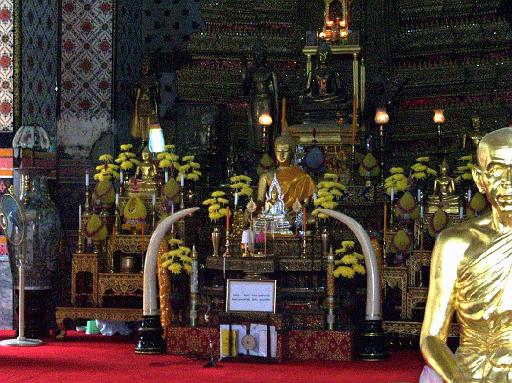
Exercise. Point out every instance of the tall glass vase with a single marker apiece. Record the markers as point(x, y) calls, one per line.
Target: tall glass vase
point(42, 275)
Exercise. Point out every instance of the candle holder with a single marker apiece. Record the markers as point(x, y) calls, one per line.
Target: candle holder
point(182, 199)
point(80, 248)
point(381, 118)
point(117, 221)
point(304, 245)
point(153, 217)
point(215, 241)
point(227, 252)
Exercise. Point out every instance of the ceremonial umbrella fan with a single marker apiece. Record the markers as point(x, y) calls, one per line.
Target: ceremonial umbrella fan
point(12, 221)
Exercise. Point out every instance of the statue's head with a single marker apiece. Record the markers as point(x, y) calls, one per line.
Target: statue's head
point(259, 52)
point(145, 153)
point(475, 122)
point(493, 175)
point(443, 168)
point(284, 148)
point(145, 65)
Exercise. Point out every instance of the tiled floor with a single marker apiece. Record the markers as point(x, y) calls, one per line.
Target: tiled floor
point(5, 294)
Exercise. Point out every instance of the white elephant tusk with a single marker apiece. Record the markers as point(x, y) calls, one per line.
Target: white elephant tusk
point(150, 297)
point(373, 290)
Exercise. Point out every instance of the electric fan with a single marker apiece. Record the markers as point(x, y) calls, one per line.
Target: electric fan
point(12, 221)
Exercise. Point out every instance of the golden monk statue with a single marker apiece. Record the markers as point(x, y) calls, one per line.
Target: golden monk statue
point(295, 183)
point(444, 195)
point(145, 107)
point(145, 178)
point(471, 276)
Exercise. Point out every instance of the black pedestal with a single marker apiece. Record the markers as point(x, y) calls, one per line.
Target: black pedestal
point(38, 313)
point(150, 336)
point(372, 341)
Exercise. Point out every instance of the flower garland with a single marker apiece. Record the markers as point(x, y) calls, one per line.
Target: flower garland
point(349, 262)
point(177, 259)
point(216, 205)
point(127, 159)
point(329, 190)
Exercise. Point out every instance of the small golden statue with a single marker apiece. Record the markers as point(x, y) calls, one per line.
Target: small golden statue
point(324, 83)
point(145, 107)
point(145, 181)
point(471, 276)
point(444, 195)
point(274, 215)
point(294, 182)
point(472, 138)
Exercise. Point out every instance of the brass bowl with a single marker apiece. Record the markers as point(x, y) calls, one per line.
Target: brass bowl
point(127, 264)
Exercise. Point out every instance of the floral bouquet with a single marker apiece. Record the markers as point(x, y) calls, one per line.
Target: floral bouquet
point(420, 171)
point(396, 182)
point(369, 166)
point(329, 191)
point(241, 185)
point(177, 259)
point(104, 190)
point(348, 262)
point(127, 159)
point(189, 170)
point(216, 205)
point(168, 159)
point(464, 171)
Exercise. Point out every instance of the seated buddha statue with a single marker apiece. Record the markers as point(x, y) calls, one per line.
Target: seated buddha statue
point(323, 83)
point(295, 183)
point(274, 214)
point(443, 195)
point(144, 181)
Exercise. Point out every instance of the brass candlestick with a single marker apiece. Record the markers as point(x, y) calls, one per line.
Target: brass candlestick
point(117, 221)
point(227, 252)
point(81, 242)
point(182, 199)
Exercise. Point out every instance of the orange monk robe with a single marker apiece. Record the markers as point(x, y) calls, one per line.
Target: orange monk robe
point(295, 184)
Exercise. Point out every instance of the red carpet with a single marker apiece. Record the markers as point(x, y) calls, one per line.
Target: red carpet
point(98, 359)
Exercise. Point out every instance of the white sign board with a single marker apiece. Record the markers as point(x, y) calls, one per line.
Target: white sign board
point(252, 296)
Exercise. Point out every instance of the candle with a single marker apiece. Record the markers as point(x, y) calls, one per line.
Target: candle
point(461, 211)
point(80, 217)
point(385, 230)
point(121, 176)
point(392, 194)
point(422, 213)
point(86, 179)
point(304, 221)
point(236, 199)
point(166, 175)
point(469, 195)
point(117, 199)
point(153, 199)
point(194, 274)
point(227, 219)
point(354, 121)
point(419, 195)
point(182, 180)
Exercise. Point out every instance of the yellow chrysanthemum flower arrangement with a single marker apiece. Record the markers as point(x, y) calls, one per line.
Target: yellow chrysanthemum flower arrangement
point(126, 159)
point(369, 166)
point(396, 181)
point(464, 171)
point(348, 262)
point(177, 260)
point(168, 159)
point(189, 169)
point(106, 170)
point(420, 170)
point(216, 205)
point(329, 191)
point(241, 185)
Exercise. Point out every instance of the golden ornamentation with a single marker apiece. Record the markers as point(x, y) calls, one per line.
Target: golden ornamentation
point(444, 195)
point(164, 288)
point(129, 244)
point(120, 284)
point(415, 295)
point(395, 277)
point(413, 328)
point(84, 263)
point(414, 262)
point(471, 276)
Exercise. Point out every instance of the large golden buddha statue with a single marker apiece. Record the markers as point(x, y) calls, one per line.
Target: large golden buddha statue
point(145, 179)
point(295, 183)
point(471, 276)
point(444, 195)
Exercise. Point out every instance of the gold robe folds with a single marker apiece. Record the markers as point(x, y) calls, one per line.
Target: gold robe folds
point(295, 184)
point(484, 312)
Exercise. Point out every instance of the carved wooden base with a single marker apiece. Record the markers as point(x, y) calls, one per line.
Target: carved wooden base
point(372, 343)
